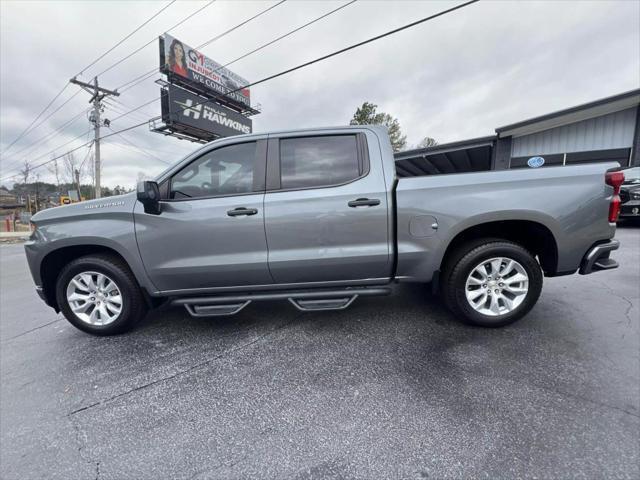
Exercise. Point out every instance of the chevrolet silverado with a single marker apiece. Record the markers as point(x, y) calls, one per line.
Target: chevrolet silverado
point(319, 217)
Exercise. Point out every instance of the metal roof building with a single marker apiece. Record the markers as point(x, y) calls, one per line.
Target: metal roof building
point(603, 130)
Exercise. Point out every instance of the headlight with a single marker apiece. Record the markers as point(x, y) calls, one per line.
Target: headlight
point(635, 195)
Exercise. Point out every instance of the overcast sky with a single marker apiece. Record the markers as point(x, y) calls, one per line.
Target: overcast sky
point(457, 77)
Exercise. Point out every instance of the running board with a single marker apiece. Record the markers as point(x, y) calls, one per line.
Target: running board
point(215, 310)
point(322, 303)
point(306, 301)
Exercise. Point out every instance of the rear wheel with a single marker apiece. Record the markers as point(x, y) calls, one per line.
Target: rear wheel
point(492, 283)
point(98, 294)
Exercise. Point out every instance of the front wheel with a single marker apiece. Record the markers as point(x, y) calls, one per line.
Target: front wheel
point(98, 294)
point(492, 283)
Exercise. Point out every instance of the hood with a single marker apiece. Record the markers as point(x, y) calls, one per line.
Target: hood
point(630, 187)
point(117, 203)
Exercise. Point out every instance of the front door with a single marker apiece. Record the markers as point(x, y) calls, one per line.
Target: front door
point(326, 210)
point(210, 232)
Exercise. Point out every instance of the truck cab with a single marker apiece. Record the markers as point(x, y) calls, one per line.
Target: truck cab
point(272, 210)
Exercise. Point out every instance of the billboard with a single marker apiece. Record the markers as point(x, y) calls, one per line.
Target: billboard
point(190, 68)
point(186, 112)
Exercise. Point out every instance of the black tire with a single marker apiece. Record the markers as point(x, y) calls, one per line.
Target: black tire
point(462, 262)
point(133, 302)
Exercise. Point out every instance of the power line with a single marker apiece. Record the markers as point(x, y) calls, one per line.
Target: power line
point(218, 37)
point(56, 157)
point(36, 119)
point(140, 79)
point(129, 108)
point(286, 34)
point(50, 134)
point(126, 37)
point(44, 120)
point(333, 54)
point(63, 145)
point(122, 110)
point(151, 73)
point(107, 69)
point(24, 132)
point(208, 42)
point(49, 116)
point(298, 67)
point(136, 108)
point(356, 45)
point(138, 148)
point(155, 38)
point(319, 59)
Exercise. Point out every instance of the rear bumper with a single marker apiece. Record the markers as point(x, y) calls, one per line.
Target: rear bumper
point(597, 258)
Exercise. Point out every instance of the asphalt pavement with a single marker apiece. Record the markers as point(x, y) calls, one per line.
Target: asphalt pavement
point(393, 387)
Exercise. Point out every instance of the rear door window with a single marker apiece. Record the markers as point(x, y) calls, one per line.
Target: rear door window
point(319, 161)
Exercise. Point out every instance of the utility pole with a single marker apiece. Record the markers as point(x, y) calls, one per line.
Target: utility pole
point(97, 94)
point(37, 193)
point(77, 177)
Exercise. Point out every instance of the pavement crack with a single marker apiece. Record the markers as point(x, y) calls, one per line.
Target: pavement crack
point(622, 297)
point(589, 400)
point(81, 440)
point(190, 369)
point(558, 392)
point(32, 330)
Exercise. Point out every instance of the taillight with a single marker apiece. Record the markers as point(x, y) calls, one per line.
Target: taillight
point(615, 179)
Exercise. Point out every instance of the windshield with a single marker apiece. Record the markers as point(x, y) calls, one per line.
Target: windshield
point(631, 175)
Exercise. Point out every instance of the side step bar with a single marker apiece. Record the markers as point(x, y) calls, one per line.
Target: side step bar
point(308, 301)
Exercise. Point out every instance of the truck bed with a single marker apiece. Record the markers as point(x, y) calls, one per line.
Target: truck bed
point(572, 202)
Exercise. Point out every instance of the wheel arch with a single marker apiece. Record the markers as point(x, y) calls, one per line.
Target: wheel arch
point(534, 236)
point(53, 262)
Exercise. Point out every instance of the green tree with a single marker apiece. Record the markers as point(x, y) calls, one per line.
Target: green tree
point(367, 114)
point(427, 142)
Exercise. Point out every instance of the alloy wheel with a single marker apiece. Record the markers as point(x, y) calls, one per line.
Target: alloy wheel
point(497, 286)
point(94, 298)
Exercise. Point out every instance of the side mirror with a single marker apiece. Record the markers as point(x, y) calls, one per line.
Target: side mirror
point(149, 195)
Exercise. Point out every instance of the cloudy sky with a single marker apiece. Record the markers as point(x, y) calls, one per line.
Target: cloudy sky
point(457, 77)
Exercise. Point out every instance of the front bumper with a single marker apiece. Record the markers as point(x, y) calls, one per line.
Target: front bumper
point(597, 258)
point(41, 294)
point(630, 209)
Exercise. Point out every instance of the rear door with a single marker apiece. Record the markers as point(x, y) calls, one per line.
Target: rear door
point(326, 209)
point(210, 232)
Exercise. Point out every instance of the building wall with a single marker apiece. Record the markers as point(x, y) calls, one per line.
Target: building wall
point(501, 153)
point(612, 131)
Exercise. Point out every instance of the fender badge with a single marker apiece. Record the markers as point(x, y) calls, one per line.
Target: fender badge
point(104, 205)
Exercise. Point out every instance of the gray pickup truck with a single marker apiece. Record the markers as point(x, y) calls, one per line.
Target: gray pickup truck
point(319, 217)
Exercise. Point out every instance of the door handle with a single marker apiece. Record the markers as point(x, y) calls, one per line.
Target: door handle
point(236, 212)
point(364, 202)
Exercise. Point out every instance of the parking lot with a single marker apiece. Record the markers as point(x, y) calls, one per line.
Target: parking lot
point(390, 388)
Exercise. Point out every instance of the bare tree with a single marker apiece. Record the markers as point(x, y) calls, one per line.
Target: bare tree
point(70, 166)
point(87, 168)
point(54, 169)
point(25, 173)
